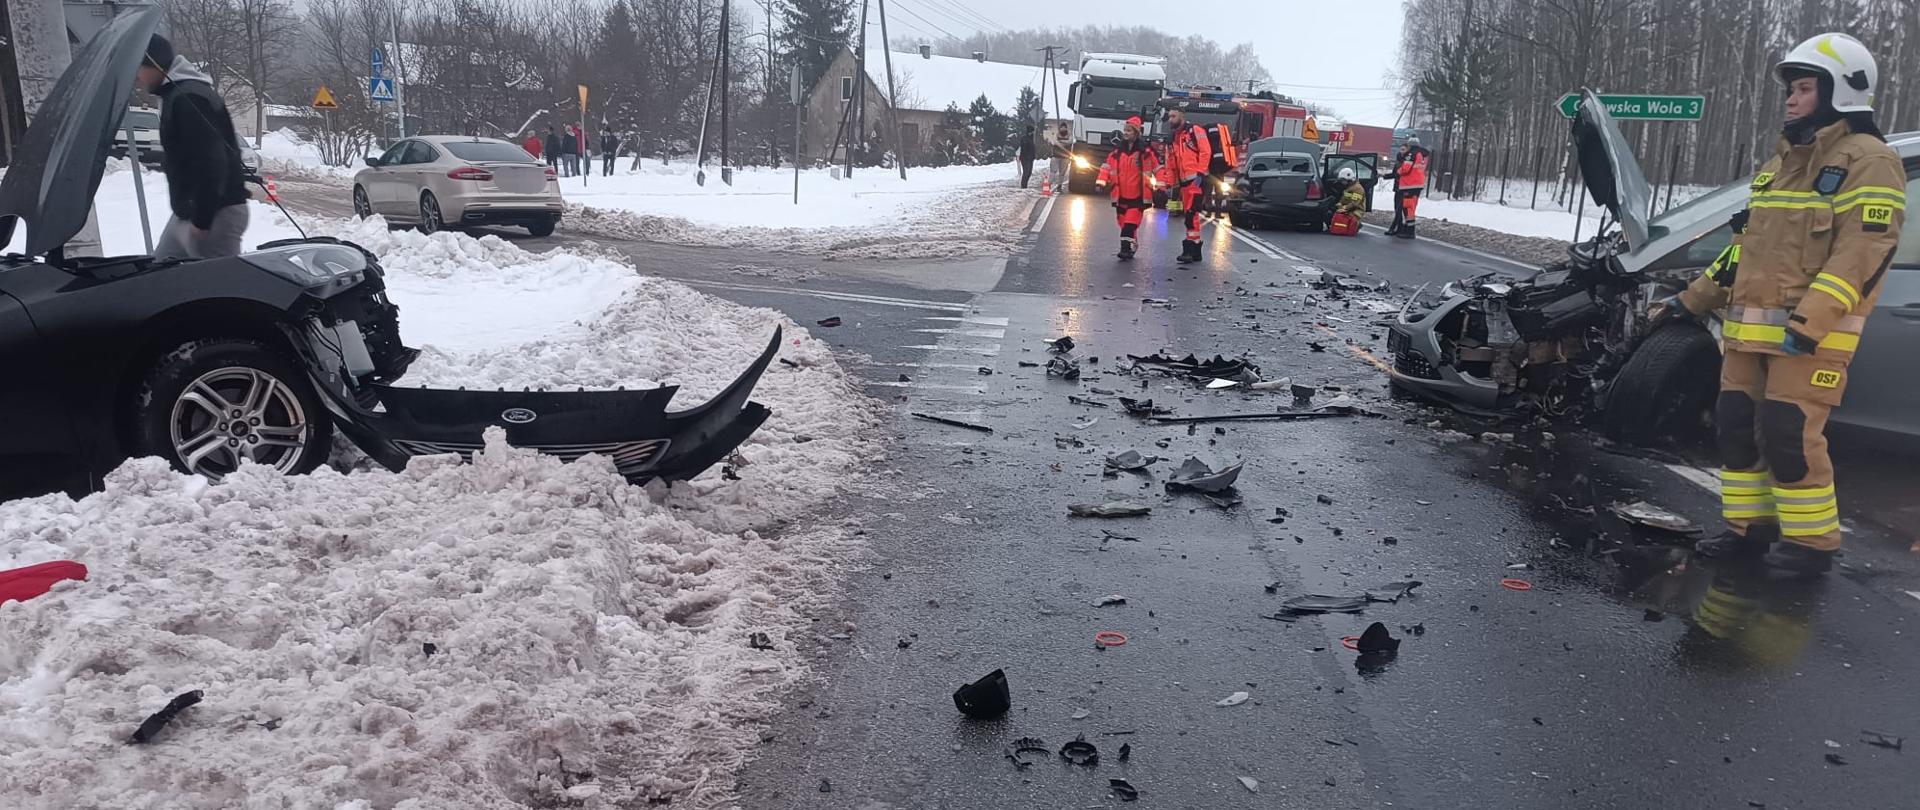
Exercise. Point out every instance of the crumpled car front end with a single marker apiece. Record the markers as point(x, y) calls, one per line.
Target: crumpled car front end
point(1424, 345)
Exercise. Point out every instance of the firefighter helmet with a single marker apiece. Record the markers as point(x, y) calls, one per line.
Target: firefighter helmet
point(1842, 59)
point(1346, 173)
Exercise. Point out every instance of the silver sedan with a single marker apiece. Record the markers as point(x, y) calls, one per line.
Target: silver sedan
point(436, 182)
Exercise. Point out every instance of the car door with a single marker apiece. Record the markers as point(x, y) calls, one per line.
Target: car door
point(1365, 169)
point(413, 178)
point(1881, 394)
point(38, 448)
point(380, 183)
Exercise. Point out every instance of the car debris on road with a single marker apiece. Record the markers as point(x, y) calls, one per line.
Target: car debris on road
point(986, 698)
point(1109, 509)
point(1646, 514)
point(1129, 461)
point(1195, 475)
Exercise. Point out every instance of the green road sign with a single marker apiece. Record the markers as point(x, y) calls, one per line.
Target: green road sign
point(1648, 108)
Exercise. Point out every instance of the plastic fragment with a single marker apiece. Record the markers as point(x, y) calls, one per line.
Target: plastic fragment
point(1234, 699)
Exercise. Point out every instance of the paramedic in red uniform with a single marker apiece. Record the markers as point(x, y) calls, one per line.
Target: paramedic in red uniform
point(1128, 175)
point(1189, 156)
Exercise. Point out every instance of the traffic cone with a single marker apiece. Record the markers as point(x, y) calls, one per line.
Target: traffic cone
point(1046, 186)
point(273, 191)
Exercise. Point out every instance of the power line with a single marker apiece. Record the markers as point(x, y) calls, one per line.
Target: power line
point(910, 12)
point(966, 16)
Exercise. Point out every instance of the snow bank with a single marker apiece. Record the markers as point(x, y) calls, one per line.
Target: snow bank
point(284, 151)
point(1515, 216)
point(589, 637)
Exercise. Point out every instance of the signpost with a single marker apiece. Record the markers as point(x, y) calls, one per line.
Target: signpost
point(794, 95)
point(586, 156)
point(1642, 107)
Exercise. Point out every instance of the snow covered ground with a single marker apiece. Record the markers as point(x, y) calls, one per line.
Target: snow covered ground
point(1546, 220)
point(118, 210)
point(515, 632)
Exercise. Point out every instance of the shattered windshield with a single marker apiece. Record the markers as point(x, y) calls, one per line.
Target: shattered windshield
point(1116, 98)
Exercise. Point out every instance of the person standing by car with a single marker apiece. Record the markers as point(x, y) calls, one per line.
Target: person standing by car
point(1189, 156)
point(1129, 173)
point(1822, 222)
point(532, 145)
point(553, 150)
point(1026, 155)
point(206, 182)
point(609, 149)
point(1409, 181)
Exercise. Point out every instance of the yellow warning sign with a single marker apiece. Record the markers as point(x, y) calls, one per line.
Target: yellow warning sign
point(323, 100)
point(1311, 131)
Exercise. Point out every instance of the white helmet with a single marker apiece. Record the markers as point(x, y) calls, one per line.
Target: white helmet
point(1346, 173)
point(1844, 60)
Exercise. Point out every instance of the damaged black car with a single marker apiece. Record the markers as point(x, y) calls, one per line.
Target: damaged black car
point(259, 357)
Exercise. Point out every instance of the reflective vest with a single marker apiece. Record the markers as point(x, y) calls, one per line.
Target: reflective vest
point(1823, 220)
point(1128, 173)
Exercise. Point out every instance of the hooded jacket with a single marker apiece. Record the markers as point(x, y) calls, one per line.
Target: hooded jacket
point(201, 153)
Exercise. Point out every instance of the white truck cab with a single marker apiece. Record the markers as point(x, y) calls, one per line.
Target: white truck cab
point(1112, 88)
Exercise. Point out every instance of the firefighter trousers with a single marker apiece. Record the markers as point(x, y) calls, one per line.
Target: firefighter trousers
point(1771, 420)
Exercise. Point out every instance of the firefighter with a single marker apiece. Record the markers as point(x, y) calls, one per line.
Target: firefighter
point(1409, 180)
point(1801, 276)
point(1353, 200)
point(1129, 174)
point(1189, 156)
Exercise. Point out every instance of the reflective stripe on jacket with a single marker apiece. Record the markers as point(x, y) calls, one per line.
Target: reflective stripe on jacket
point(1824, 219)
point(1188, 154)
point(1128, 173)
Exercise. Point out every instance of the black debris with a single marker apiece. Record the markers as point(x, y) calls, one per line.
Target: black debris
point(1123, 789)
point(1538, 722)
point(829, 322)
point(1126, 751)
point(788, 363)
point(1392, 591)
point(1195, 475)
point(905, 378)
point(1317, 346)
point(1113, 599)
point(271, 724)
point(1142, 407)
point(1060, 345)
point(1109, 509)
point(1321, 603)
point(826, 786)
point(759, 641)
point(985, 372)
point(986, 698)
point(1326, 499)
point(1652, 615)
point(1880, 740)
point(1375, 639)
point(954, 422)
point(1063, 368)
point(151, 727)
point(429, 648)
point(1028, 751)
point(1080, 752)
point(1028, 364)
point(1836, 759)
point(1129, 461)
point(904, 642)
point(1107, 535)
point(1080, 400)
point(1237, 417)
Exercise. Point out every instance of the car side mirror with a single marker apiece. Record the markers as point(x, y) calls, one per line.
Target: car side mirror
point(374, 162)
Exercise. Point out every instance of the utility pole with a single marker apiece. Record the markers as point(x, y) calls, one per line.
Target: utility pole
point(1049, 76)
point(858, 105)
point(893, 116)
point(726, 80)
point(399, 68)
point(40, 50)
point(1251, 83)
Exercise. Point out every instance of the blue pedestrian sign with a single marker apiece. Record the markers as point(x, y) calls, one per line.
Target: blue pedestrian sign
point(380, 89)
point(379, 64)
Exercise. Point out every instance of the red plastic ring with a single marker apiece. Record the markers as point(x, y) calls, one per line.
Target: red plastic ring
point(1516, 584)
point(1109, 638)
point(1351, 643)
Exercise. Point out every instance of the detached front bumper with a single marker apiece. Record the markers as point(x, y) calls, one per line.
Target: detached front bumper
point(1421, 366)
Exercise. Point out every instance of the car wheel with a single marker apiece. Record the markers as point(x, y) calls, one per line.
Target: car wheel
point(430, 221)
point(542, 229)
point(361, 207)
point(210, 403)
point(1666, 389)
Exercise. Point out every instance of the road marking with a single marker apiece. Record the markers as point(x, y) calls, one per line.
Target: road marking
point(857, 298)
point(1045, 210)
point(989, 350)
point(1462, 248)
point(1700, 477)
point(972, 319)
point(996, 334)
point(1256, 244)
point(977, 390)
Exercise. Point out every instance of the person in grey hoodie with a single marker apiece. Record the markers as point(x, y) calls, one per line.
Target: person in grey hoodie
point(206, 181)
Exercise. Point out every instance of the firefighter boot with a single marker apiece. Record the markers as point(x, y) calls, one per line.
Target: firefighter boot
point(1794, 561)
point(1730, 544)
point(1126, 247)
point(1189, 252)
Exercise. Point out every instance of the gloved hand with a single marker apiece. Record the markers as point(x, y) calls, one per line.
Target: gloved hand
point(1797, 345)
point(1669, 309)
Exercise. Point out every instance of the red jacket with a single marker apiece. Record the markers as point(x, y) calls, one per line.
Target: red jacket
point(1128, 173)
point(1412, 171)
point(1189, 153)
point(532, 145)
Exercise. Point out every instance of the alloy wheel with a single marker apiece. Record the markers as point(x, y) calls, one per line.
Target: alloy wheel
point(361, 208)
point(429, 214)
point(236, 413)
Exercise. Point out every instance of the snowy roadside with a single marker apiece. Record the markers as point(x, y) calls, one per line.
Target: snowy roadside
point(514, 632)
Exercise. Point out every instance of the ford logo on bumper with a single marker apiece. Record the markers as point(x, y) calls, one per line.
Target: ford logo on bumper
point(518, 416)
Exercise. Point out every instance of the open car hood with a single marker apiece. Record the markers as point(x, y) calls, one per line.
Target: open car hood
point(1609, 171)
point(58, 162)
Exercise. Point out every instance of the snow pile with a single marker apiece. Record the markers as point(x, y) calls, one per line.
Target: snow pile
point(588, 637)
point(957, 210)
point(283, 151)
point(1522, 214)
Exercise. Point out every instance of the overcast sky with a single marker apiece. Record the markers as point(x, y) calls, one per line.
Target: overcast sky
point(1335, 52)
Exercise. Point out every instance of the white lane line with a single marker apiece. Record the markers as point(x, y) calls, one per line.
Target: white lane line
point(968, 366)
point(1700, 477)
point(975, 320)
point(983, 351)
point(1283, 252)
point(857, 298)
point(977, 390)
point(996, 334)
point(1254, 243)
point(1041, 221)
point(1371, 228)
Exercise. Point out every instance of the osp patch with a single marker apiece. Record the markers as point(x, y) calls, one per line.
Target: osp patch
point(1761, 180)
point(1826, 378)
point(1876, 218)
point(1829, 180)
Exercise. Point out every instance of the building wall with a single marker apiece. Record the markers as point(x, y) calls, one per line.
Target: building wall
point(824, 108)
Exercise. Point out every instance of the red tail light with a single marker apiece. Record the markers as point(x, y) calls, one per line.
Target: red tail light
point(1313, 189)
point(470, 173)
point(551, 174)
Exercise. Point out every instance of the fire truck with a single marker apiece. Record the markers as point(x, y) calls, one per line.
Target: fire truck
point(1248, 117)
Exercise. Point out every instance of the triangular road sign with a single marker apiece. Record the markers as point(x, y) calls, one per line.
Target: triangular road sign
point(323, 100)
point(380, 89)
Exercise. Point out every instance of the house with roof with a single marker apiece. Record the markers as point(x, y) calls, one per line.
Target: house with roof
point(925, 85)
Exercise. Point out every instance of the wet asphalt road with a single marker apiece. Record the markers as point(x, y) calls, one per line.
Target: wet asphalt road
point(1629, 675)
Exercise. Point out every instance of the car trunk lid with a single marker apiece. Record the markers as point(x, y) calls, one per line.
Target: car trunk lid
point(514, 178)
point(1278, 177)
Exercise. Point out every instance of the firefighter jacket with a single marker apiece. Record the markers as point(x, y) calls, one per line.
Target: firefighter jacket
point(1189, 154)
point(1823, 220)
point(1128, 174)
point(1353, 200)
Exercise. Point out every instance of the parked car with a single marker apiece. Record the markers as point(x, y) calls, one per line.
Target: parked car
point(145, 123)
point(442, 181)
point(257, 357)
point(1289, 181)
point(1578, 337)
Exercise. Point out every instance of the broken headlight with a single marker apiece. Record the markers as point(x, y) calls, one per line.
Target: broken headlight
point(320, 269)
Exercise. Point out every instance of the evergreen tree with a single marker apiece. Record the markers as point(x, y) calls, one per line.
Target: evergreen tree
point(992, 130)
point(1026, 110)
point(816, 30)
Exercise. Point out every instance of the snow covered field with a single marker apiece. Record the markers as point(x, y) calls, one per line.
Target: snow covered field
point(514, 632)
point(1515, 217)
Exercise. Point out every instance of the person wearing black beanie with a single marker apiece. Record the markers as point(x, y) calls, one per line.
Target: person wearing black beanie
point(206, 180)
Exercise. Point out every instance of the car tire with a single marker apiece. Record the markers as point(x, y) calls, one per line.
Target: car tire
point(362, 208)
point(431, 219)
point(1666, 389)
point(540, 230)
point(178, 411)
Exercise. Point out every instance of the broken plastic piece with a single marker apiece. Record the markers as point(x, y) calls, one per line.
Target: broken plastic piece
point(1194, 474)
point(986, 698)
point(1836, 759)
point(1217, 384)
point(1251, 784)
point(30, 581)
point(1516, 584)
point(1028, 751)
point(1376, 639)
point(1142, 407)
point(1080, 752)
point(1109, 638)
point(1063, 368)
point(151, 727)
point(1321, 603)
point(1123, 789)
point(1111, 599)
point(954, 422)
point(1110, 509)
point(1234, 699)
point(1126, 751)
point(1647, 514)
point(1880, 740)
point(829, 322)
point(1080, 400)
point(759, 641)
point(1129, 461)
point(1060, 345)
